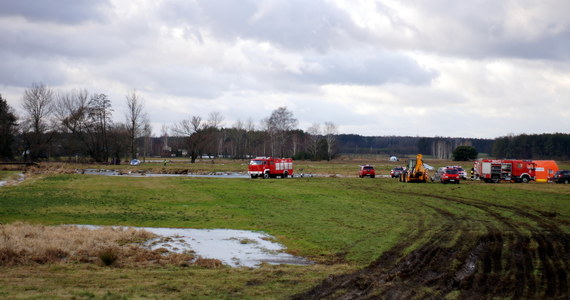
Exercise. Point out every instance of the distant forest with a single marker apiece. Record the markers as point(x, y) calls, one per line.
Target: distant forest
point(536, 146)
point(438, 147)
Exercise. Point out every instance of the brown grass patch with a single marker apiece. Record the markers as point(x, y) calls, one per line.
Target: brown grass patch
point(25, 244)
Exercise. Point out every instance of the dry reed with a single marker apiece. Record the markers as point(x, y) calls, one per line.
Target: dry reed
point(25, 244)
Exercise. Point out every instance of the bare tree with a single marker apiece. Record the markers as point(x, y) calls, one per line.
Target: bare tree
point(238, 135)
point(330, 132)
point(135, 118)
point(147, 133)
point(118, 142)
point(279, 126)
point(250, 133)
point(70, 110)
point(191, 129)
point(265, 126)
point(165, 149)
point(87, 120)
point(313, 137)
point(215, 119)
point(214, 124)
point(99, 121)
point(38, 108)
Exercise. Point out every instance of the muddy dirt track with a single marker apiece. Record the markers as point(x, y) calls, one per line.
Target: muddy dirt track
point(523, 256)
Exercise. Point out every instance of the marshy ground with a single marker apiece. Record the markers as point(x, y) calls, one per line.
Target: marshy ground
point(370, 238)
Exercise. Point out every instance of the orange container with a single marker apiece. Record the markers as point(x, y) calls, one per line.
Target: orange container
point(545, 169)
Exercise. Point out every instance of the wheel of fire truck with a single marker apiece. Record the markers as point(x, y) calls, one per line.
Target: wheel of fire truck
point(266, 175)
point(253, 176)
point(525, 179)
point(285, 175)
point(495, 180)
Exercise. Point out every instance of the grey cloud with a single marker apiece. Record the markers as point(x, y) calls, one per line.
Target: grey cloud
point(59, 11)
point(488, 28)
point(36, 42)
point(173, 80)
point(22, 72)
point(352, 68)
point(291, 24)
point(473, 29)
point(546, 47)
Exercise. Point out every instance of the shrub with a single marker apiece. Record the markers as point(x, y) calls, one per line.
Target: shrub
point(108, 256)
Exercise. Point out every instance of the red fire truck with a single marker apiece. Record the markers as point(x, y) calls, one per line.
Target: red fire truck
point(495, 170)
point(269, 167)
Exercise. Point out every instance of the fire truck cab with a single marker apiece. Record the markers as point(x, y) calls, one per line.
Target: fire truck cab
point(495, 170)
point(269, 167)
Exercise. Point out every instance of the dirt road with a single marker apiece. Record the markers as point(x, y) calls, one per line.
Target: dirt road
point(518, 253)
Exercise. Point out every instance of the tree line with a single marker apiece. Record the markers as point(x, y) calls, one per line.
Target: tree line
point(78, 125)
point(72, 123)
point(533, 146)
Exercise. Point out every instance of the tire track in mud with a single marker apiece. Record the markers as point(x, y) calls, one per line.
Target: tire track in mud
point(516, 260)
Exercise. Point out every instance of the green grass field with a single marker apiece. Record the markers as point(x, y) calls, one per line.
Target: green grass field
point(343, 224)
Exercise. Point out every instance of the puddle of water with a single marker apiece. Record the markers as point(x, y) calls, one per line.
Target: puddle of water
point(235, 248)
point(20, 178)
point(137, 174)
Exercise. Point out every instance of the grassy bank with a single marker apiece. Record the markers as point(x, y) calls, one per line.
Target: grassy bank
point(340, 223)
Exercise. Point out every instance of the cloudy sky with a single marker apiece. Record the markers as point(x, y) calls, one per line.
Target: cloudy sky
point(480, 68)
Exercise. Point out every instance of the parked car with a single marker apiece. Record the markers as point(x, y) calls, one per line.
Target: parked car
point(462, 172)
point(397, 172)
point(562, 176)
point(446, 175)
point(367, 170)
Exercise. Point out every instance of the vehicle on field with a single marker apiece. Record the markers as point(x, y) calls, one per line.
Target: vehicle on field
point(462, 172)
point(269, 167)
point(397, 172)
point(367, 170)
point(447, 175)
point(562, 176)
point(496, 170)
point(415, 171)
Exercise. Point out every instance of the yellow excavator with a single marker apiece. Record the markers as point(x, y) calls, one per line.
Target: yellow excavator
point(416, 171)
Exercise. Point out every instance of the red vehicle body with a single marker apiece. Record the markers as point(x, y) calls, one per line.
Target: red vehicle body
point(269, 167)
point(367, 170)
point(495, 170)
point(447, 175)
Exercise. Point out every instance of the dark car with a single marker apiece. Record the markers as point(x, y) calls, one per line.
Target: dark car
point(397, 172)
point(562, 176)
point(367, 170)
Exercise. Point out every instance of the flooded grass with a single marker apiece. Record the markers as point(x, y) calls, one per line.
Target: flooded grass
point(26, 244)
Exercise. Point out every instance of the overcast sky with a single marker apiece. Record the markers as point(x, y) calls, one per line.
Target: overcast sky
point(481, 68)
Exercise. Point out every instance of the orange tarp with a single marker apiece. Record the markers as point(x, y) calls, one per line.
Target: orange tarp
point(545, 169)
